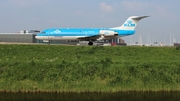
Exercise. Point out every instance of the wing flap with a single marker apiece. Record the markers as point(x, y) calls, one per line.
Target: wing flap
point(87, 38)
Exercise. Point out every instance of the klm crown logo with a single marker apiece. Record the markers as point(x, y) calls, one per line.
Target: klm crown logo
point(129, 23)
point(57, 31)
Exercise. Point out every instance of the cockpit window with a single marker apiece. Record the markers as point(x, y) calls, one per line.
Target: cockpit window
point(43, 32)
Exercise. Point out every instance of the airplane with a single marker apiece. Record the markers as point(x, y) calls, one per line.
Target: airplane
point(91, 34)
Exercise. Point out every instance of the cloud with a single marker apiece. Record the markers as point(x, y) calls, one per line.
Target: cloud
point(105, 7)
point(163, 11)
point(25, 3)
point(134, 5)
point(152, 8)
point(78, 12)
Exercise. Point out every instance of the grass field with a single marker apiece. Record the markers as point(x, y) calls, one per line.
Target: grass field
point(57, 68)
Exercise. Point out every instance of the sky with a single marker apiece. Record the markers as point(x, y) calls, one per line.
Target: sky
point(162, 25)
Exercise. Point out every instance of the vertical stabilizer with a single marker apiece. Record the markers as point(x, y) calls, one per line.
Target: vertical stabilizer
point(131, 23)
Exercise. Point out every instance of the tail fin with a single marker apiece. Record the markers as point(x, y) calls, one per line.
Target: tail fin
point(131, 23)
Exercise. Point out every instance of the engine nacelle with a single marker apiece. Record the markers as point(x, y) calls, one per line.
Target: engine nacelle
point(107, 33)
point(101, 38)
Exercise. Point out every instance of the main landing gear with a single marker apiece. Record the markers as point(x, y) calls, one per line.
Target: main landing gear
point(90, 43)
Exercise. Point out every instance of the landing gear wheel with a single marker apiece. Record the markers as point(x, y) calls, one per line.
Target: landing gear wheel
point(90, 43)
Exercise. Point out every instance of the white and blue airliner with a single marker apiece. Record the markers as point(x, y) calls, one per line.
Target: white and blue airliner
point(91, 34)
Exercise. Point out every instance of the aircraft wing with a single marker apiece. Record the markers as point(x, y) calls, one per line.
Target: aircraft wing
point(87, 38)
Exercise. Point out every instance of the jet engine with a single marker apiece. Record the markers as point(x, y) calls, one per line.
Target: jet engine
point(107, 33)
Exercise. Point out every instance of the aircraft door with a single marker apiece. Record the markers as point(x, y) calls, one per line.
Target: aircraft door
point(49, 35)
